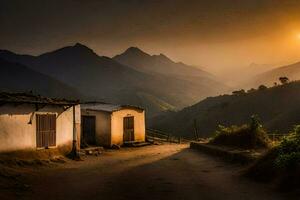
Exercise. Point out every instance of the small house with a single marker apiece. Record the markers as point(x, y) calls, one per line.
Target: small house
point(106, 124)
point(29, 122)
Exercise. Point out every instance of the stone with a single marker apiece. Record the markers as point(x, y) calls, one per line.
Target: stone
point(115, 146)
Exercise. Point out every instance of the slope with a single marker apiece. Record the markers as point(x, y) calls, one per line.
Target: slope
point(19, 78)
point(278, 108)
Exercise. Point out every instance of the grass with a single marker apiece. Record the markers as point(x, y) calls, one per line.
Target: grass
point(281, 165)
point(247, 136)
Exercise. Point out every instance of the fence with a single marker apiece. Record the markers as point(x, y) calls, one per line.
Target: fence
point(153, 135)
point(276, 137)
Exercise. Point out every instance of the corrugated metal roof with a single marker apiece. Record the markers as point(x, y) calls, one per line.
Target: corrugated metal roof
point(6, 97)
point(107, 107)
point(100, 107)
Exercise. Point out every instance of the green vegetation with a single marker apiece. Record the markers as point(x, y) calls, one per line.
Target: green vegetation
point(281, 164)
point(250, 135)
point(278, 108)
point(289, 150)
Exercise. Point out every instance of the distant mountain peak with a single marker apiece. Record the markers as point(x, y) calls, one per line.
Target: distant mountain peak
point(135, 51)
point(163, 57)
point(82, 47)
point(77, 49)
point(79, 44)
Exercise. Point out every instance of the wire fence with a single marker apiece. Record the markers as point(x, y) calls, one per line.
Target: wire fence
point(153, 135)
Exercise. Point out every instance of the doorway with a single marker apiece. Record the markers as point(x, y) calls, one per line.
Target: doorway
point(128, 129)
point(88, 130)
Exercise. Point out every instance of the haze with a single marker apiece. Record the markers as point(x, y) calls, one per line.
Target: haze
point(218, 35)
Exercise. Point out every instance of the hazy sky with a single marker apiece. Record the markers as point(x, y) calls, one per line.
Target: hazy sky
point(217, 34)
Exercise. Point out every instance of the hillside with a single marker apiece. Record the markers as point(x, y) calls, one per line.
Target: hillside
point(278, 108)
point(107, 80)
point(269, 77)
point(19, 78)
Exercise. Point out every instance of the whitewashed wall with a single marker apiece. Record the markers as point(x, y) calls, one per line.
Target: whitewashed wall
point(117, 125)
point(16, 133)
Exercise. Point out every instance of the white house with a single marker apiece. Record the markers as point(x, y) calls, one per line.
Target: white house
point(107, 124)
point(29, 122)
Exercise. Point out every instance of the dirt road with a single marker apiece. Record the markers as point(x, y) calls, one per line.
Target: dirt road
point(152, 172)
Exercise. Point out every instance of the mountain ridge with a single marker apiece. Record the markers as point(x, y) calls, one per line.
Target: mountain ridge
point(19, 78)
point(109, 80)
point(269, 77)
point(135, 57)
point(272, 105)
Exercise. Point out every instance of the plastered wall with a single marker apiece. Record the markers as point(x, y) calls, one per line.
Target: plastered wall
point(18, 126)
point(117, 125)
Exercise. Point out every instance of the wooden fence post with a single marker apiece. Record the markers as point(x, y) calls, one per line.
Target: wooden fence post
point(195, 130)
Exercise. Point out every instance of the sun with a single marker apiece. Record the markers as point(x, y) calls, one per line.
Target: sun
point(298, 36)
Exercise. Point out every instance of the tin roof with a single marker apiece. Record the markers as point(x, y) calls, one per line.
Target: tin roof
point(107, 107)
point(6, 97)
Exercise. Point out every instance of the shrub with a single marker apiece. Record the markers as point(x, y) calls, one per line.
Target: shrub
point(239, 92)
point(281, 164)
point(262, 87)
point(284, 80)
point(250, 135)
point(289, 150)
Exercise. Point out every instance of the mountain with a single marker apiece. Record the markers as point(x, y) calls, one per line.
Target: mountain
point(196, 83)
point(270, 77)
point(93, 75)
point(15, 77)
point(108, 80)
point(141, 61)
point(162, 65)
point(277, 107)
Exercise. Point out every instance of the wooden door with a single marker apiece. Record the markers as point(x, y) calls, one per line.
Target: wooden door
point(89, 129)
point(128, 127)
point(45, 130)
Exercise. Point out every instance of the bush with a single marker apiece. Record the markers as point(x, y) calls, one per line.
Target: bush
point(289, 150)
point(239, 92)
point(262, 87)
point(281, 164)
point(250, 135)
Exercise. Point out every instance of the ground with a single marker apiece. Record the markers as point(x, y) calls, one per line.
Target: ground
point(169, 171)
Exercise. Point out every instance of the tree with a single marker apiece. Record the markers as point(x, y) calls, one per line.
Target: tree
point(284, 80)
point(239, 92)
point(262, 87)
point(251, 90)
point(255, 123)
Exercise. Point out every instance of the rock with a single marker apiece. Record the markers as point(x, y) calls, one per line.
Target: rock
point(89, 152)
point(115, 146)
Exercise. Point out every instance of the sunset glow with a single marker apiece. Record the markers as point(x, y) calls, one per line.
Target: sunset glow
point(157, 99)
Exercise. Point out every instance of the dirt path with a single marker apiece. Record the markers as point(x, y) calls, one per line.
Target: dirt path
point(152, 172)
